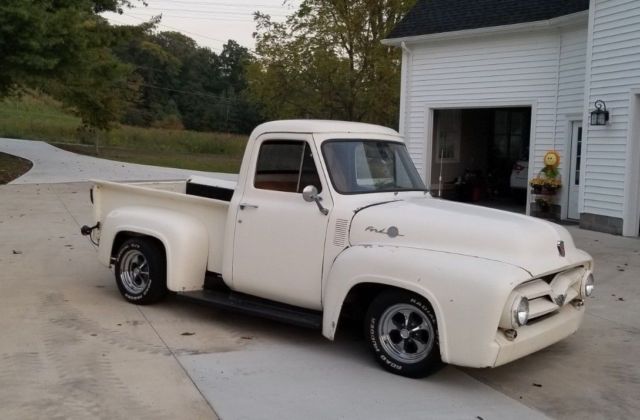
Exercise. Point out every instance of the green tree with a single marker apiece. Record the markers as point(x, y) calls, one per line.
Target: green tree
point(233, 61)
point(327, 61)
point(156, 73)
point(63, 47)
point(180, 81)
point(242, 113)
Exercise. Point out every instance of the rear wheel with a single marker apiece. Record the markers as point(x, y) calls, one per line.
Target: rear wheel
point(402, 333)
point(140, 271)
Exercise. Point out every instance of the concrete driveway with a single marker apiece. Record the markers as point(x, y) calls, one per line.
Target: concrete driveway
point(53, 165)
point(72, 348)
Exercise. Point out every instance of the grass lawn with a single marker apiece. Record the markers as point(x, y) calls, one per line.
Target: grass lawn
point(12, 167)
point(196, 161)
point(40, 118)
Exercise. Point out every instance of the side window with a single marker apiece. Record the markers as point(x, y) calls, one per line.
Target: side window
point(285, 166)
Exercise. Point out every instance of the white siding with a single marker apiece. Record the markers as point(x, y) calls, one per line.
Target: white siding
point(572, 68)
point(614, 71)
point(544, 68)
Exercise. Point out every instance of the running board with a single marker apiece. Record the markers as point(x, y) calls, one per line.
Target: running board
point(256, 306)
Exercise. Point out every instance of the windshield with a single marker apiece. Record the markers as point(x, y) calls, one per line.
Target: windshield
point(369, 166)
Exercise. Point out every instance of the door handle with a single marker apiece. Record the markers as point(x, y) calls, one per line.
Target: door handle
point(248, 206)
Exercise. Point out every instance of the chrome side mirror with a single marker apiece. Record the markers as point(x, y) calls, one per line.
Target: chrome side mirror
point(309, 194)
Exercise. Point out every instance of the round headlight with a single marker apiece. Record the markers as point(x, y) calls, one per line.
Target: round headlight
point(589, 285)
point(521, 312)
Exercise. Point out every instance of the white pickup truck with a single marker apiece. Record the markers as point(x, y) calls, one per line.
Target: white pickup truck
point(331, 217)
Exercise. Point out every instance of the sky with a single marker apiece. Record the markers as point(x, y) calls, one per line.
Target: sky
point(211, 23)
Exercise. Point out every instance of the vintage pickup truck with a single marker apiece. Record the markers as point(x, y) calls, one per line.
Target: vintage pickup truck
point(329, 218)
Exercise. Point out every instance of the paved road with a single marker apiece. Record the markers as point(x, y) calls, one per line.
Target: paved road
point(72, 348)
point(53, 165)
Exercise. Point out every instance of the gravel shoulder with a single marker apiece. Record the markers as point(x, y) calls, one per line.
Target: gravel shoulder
point(12, 167)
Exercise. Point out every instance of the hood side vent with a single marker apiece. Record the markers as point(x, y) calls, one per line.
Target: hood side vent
point(342, 229)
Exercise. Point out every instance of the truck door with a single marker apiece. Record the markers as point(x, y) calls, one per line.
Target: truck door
point(279, 237)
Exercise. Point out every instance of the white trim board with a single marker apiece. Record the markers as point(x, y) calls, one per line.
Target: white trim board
point(570, 119)
point(587, 100)
point(631, 211)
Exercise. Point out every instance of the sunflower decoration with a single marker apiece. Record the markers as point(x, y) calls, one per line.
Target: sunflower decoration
point(548, 178)
point(551, 163)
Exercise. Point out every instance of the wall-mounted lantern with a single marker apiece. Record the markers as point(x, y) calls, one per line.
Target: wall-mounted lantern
point(600, 116)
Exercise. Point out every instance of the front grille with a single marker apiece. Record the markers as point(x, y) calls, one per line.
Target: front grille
point(548, 296)
point(541, 318)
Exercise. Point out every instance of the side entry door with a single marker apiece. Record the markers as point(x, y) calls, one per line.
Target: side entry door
point(279, 237)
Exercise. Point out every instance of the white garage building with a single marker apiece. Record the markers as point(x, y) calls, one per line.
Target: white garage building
point(489, 85)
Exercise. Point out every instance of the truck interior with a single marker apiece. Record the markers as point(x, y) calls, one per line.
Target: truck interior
point(286, 166)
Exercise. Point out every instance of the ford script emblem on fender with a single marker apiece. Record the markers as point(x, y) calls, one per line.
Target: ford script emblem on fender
point(391, 231)
point(561, 248)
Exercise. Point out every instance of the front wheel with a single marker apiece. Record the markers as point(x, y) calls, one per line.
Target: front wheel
point(140, 271)
point(402, 333)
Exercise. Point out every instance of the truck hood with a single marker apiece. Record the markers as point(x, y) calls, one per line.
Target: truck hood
point(445, 226)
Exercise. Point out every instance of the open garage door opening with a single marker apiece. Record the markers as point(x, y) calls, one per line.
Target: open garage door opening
point(481, 156)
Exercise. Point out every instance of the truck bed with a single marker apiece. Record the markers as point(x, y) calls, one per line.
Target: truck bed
point(205, 199)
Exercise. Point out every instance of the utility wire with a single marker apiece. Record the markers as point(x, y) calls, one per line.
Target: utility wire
point(209, 18)
point(211, 3)
point(224, 5)
point(216, 12)
point(180, 30)
point(170, 27)
point(215, 3)
point(212, 19)
point(209, 95)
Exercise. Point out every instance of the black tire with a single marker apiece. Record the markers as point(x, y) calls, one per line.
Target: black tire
point(140, 271)
point(402, 334)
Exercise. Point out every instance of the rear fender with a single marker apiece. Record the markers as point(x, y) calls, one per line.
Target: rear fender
point(184, 238)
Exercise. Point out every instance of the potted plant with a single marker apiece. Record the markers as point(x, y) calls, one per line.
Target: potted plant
point(537, 184)
point(552, 185)
point(543, 205)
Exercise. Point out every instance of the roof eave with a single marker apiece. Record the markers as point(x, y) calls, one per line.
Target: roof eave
point(491, 30)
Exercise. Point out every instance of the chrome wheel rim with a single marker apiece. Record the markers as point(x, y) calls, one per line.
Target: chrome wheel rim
point(406, 333)
point(134, 271)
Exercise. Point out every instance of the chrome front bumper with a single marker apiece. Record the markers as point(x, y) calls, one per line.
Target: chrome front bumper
point(539, 335)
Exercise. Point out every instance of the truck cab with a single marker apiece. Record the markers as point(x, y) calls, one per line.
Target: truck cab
point(286, 237)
